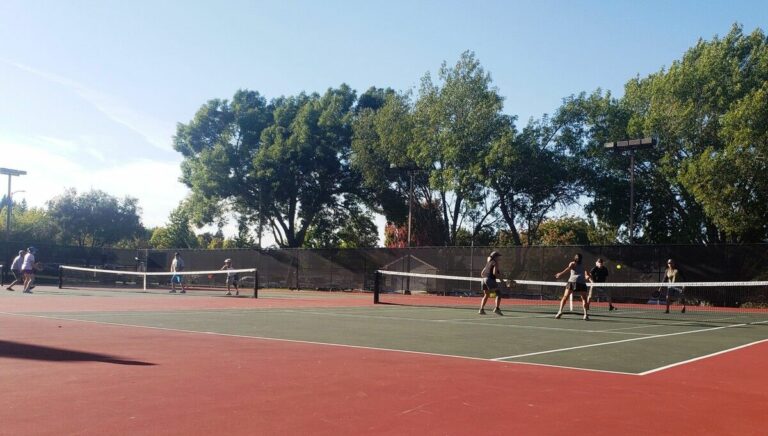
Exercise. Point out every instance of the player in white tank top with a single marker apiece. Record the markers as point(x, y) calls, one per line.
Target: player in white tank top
point(577, 282)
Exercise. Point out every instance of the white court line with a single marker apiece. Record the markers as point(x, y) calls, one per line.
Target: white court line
point(600, 344)
point(466, 321)
point(296, 341)
point(499, 360)
point(671, 323)
point(685, 362)
point(461, 321)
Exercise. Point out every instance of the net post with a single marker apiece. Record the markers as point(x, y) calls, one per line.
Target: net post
point(2, 274)
point(376, 287)
point(255, 283)
point(144, 280)
point(61, 277)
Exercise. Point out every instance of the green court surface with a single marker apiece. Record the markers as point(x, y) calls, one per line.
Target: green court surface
point(611, 343)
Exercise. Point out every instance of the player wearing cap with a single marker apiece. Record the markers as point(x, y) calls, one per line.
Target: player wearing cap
point(489, 274)
point(231, 277)
point(18, 276)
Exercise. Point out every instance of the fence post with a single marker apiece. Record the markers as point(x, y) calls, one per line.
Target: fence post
point(298, 287)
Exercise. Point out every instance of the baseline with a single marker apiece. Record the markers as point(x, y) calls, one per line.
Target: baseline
point(601, 344)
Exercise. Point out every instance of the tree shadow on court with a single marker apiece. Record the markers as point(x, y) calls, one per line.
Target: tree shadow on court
point(17, 350)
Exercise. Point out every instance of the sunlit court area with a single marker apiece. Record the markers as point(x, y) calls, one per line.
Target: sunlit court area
point(389, 351)
point(401, 218)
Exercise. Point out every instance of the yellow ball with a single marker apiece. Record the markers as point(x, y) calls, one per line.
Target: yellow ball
point(618, 266)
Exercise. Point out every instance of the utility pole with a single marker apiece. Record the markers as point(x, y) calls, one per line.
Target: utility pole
point(631, 145)
point(411, 169)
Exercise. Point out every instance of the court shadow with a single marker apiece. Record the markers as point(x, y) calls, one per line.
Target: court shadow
point(17, 350)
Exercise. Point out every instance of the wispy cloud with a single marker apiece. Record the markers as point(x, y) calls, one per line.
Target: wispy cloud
point(51, 171)
point(116, 111)
point(57, 143)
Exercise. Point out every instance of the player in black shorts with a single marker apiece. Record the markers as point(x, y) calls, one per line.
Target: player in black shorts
point(489, 274)
point(599, 275)
point(577, 282)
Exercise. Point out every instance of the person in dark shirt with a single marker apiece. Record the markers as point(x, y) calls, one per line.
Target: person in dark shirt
point(599, 275)
point(490, 286)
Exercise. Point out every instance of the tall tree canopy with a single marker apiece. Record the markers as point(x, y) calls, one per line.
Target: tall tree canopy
point(95, 218)
point(440, 143)
point(308, 166)
point(282, 162)
point(456, 121)
point(705, 182)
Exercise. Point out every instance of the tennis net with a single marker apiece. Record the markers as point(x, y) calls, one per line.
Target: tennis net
point(707, 299)
point(235, 281)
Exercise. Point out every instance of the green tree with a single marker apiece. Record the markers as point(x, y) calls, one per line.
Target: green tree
point(705, 181)
point(281, 162)
point(382, 133)
point(178, 233)
point(28, 224)
point(728, 176)
point(439, 144)
point(564, 231)
point(218, 148)
point(350, 227)
point(95, 218)
point(138, 241)
point(455, 124)
point(534, 171)
point(383, 136)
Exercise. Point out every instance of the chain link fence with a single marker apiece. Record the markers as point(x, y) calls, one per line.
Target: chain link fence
point(353, 269)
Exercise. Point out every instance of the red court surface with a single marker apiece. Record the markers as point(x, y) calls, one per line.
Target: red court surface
point(68, 377)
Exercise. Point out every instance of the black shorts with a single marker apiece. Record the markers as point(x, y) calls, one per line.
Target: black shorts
point(490, 283)
point(674, 292)
point(577, 287)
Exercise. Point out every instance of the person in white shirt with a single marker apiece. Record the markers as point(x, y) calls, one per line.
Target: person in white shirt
point(177, 266)
point(231, 277)
point(18, 277)
point(28, 269)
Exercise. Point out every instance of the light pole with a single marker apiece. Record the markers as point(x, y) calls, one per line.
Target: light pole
point(411, 173)
point(631, 145)
point(410, 205)
point(10, 174)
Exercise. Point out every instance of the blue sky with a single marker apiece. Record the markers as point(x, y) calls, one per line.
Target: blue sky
point(91, 91)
